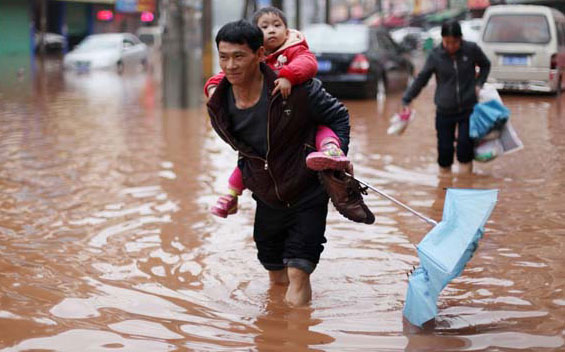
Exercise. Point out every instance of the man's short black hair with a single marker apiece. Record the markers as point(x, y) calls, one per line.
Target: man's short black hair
point(240, 32)
point(269, 9)
point(451, 28)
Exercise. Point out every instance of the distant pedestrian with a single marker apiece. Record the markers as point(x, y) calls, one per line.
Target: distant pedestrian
point(454, 64)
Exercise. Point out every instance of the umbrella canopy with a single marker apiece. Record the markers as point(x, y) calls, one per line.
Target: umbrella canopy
point(446, 249)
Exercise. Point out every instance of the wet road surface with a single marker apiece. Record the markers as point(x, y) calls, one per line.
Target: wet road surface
point(106, 241)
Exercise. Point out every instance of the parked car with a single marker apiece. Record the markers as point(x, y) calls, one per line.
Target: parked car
point(151, 36)
point(53, 42)
point(408, 37)
point(354, 59)
point(107, 51)
point(433, 34)
point(526, 47)
point(471, 29)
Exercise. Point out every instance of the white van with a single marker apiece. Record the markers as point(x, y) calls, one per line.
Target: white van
point(526, 47)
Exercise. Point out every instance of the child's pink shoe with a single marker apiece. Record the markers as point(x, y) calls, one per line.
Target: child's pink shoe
point(226, 205)
point(330, 157)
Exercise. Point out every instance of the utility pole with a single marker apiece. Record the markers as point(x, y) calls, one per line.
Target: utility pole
point(42, 26)
point(381, 12)
point(174, 56)
point(249, 8)
point(181, 59)
point(277, 3)
point(298, 14)
point(328, 11)
point(207, 38)
point(316, 13)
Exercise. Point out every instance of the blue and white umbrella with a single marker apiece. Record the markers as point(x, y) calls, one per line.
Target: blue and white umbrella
point(446, 249)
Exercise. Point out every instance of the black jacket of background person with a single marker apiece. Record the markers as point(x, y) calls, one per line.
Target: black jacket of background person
point(456, 78)
point(282, 178)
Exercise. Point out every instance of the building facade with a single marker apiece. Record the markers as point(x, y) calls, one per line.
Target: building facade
point(21, 20)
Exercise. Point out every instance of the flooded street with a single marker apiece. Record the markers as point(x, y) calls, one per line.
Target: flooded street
point(107, 242)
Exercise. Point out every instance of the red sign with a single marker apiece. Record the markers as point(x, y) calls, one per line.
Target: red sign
point(105, 15)
point(478, 4)
point(147, 16)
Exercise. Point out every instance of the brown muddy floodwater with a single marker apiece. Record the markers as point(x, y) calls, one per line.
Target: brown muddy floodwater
point(106, 241)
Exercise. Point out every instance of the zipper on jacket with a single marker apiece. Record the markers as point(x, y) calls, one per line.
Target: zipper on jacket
point(265, 161)
point(213, 117)
point(269, 148)
point(457, 82)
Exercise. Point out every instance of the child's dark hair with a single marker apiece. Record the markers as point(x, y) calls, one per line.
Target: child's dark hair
point(451, 28)
point(240, 32)
point(269, 9)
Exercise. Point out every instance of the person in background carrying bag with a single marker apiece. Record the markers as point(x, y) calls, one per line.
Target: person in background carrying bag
point(454, 64)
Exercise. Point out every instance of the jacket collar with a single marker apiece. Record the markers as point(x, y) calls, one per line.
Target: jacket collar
point(218, 107)
point(458, 53)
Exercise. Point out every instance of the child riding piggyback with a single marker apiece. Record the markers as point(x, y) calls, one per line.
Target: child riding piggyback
point(287, 54)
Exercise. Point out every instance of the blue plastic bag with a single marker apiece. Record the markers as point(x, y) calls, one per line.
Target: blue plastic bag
point(486, 116)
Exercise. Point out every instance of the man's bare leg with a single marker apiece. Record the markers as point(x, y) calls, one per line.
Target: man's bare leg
point(445, 171)
point(279, 277)
point(299, 292)
point(466, 168)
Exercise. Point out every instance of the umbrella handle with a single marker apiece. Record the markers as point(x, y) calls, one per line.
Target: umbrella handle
point(395, 201)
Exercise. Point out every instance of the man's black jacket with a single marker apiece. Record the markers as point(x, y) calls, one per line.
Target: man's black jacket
point(456, 78)
point(282, 178)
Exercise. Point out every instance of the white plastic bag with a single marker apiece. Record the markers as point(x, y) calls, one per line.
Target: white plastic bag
point(399, 123)
point(488, 150)
point(488, 93)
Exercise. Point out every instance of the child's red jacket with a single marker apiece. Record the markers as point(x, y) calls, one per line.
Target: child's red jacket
point(293, 61)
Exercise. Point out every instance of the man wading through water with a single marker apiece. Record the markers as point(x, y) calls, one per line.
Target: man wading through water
point(273, 137)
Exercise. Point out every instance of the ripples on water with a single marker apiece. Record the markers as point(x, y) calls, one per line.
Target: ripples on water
point(107, 242)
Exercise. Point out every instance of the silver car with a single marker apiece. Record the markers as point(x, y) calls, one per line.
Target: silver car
point(107, 51)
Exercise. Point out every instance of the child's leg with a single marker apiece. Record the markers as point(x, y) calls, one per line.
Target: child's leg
point(227, 204)
point(324, 135)
point(235, 182)
point(329, 155)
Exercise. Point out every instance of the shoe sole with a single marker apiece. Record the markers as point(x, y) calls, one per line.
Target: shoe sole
point(369, 216)
point(321, 163)
point(370, 219)
point(222, 213)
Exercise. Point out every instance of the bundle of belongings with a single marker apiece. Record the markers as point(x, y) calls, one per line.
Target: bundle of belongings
point(490, 128)
point(399, 122)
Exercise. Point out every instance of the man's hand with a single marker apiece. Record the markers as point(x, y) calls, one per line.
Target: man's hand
point(282, 85)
